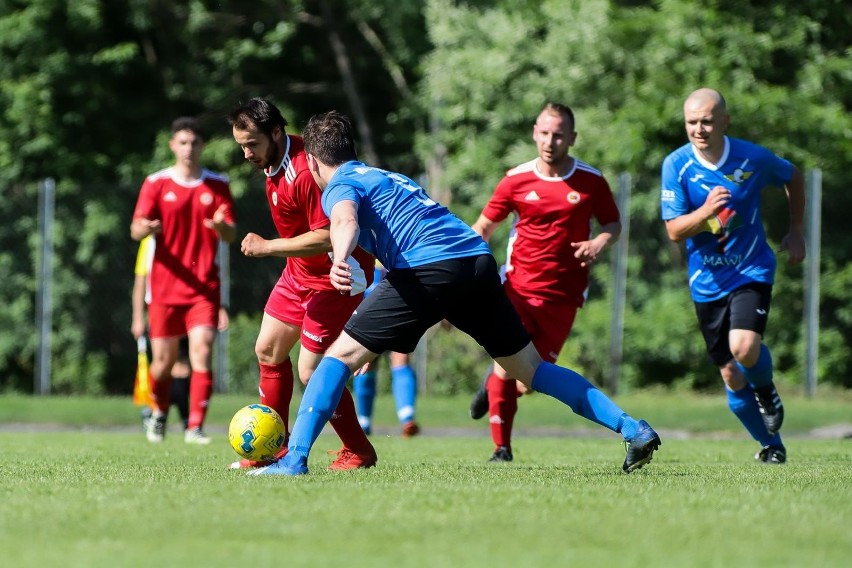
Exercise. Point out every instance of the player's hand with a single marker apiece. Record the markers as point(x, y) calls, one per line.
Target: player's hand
point(137, 328)
point(152, 226)
point(341, 276)
point(794, 243)
point(217, 222)
point(254, 245)
point(587, 252)
point(717, 200)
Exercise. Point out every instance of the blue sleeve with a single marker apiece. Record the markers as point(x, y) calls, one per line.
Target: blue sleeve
point(673, 197)
point(336, 193)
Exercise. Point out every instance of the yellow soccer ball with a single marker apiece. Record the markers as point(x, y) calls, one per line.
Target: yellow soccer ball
point(257, 432)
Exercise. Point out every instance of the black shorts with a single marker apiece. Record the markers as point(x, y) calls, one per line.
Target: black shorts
point(467, 292)
point(744, 308)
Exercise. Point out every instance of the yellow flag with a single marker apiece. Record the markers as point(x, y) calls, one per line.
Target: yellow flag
point(141, 387)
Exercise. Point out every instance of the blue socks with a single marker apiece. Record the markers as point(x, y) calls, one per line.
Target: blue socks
point(404, 385)
point(760, 374)
point(364, 387)
point(322, 395)
point(744, 407)
point(584, 399)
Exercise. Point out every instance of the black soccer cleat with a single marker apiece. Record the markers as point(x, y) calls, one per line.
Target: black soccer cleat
point(640, 449)
point(479, 402)
point(771, 409)
point(501, 454)
point(773, 455)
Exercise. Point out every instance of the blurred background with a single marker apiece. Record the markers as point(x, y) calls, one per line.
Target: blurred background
point(443, 91)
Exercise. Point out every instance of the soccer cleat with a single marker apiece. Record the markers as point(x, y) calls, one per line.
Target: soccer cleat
point(640, 449)
point(774, 455)
point(479, 402)
point(501, 454)
point(347, 459)
point(254, 464)
point(196, 436)
point(771, 409)
point(288, 467)
point(410, 429)
point(156, 428)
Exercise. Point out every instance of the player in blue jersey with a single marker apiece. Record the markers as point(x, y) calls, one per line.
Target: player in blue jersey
point(438, 268)
point(403, 383)
point(711, 190)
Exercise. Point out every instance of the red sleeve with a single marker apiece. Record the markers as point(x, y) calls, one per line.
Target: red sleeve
point(605, 208)
point(147, 202)
point(501, 204)
point(309, 195)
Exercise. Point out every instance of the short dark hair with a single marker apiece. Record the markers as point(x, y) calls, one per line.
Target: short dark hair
point(259, 112)
point(559, 108)
point(187, 123)
point(329, 137)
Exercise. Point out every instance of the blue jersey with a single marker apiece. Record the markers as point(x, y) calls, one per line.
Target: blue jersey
point(734, 252)
point(400, 225)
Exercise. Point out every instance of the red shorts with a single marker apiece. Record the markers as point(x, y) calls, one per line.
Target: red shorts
point(548, 323)
point(177, 320)
point(320, 313)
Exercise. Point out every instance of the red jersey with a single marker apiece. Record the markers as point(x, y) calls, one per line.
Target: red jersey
point(184, 268)
point(295, 201)
point(550, 214)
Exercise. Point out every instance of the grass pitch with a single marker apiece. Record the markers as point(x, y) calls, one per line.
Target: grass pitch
point(105, 497)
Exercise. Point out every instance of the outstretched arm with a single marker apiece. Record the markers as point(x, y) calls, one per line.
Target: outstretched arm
point(310, 243)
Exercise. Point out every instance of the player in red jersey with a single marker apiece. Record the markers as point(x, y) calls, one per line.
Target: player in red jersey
point(554, 199)
point(188, 209)
point(303, 305)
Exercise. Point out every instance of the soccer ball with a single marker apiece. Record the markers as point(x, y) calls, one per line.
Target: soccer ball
point(257, 432)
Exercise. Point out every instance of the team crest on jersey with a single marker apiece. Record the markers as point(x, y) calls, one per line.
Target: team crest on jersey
point(274, 199)
point(738, 176)
point(573, 198)
point(206, 198)
point(724, 224)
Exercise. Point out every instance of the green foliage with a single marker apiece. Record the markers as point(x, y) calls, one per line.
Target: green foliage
point(88, 89)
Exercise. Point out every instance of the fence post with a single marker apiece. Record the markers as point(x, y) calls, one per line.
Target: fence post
point(619, 288)
point(813, 231)
point(44, 285)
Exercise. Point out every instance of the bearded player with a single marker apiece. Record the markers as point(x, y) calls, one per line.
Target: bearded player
point(303, 305)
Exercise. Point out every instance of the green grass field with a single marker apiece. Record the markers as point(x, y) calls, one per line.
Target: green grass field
point(82, 487)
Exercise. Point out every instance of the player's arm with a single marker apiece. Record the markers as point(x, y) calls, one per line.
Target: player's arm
point(344, 237)
point(485, 227)
point(219, 222)
point(141, 227)
point(690, 224)
point(137, 300)
point(311, 243)
point(794, 241)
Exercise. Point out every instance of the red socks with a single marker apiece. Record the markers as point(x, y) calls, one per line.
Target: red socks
point(276, 388)
point(200, 389)
point(161, 392)
point(346, 425)
point(502, 407)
